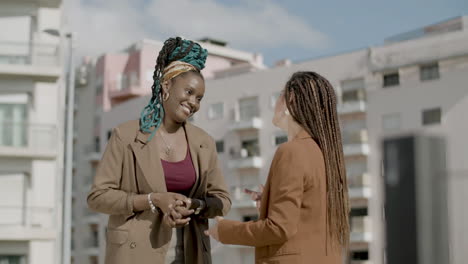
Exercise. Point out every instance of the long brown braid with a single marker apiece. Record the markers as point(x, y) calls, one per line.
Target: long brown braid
point(311, 100)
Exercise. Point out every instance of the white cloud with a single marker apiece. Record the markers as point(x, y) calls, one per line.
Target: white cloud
point(104, 27)
point(111, 25)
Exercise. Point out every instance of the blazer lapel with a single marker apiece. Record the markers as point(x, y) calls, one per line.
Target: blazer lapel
point(147, 157)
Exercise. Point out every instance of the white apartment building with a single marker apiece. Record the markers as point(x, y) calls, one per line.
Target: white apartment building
point(31, 139)
point(419, 83)
point(104, 85)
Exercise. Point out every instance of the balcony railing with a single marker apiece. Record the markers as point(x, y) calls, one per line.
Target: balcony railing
point(352, 107)
point(23, 139)
point(356, 149)
point(361, 229)
point(359, 181)
point(254, 162)
point(29, 217)
point(28, 53)
point(355, 137)
point(253, 123)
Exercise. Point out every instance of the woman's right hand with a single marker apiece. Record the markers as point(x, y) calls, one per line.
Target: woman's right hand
point(167, 201)
point(256, 196)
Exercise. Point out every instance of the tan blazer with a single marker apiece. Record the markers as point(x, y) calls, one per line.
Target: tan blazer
point(292, 223)
point(132, 166)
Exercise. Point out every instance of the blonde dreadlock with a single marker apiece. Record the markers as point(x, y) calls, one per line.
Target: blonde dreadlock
point(311, 100)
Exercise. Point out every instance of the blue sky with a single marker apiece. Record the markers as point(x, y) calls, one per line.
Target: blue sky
point(298, 30)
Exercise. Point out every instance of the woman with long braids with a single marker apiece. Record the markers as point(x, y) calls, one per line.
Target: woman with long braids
point(160, 172)
point(304, 204)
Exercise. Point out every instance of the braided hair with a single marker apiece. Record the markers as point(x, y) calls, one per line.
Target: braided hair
point(174, 49)
point(311, 100)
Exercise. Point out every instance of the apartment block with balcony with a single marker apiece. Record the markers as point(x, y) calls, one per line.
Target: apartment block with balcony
point(31, 145)
point(418, 84)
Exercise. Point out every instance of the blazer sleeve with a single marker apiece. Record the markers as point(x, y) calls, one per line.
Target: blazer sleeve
point(283, 208)
point(218, 201)
point(105, 195)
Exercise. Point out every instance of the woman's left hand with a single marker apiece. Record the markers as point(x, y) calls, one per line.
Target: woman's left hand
point(213, 231)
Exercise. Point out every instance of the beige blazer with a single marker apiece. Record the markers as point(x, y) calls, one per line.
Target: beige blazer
point(292, 223)
point(130, 165)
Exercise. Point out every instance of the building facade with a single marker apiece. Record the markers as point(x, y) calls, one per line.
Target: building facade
point(416, 80)
point(418, 84)
point(31, 132)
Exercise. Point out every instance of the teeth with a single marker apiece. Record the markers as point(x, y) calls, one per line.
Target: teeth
point(188, 108)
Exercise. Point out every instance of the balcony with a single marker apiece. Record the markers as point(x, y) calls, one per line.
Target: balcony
point(356, 149)
point(254, 162)
point(128, 87)
point(359, 186)
point(359, 192)
point(93, 153)
point(355, 137)
point(361, 229)
point(352, 107)
point(24, 223)
point(248, 124)
point(359, 180)
point(30, 59)
point(25, 140)
point(355, 142)
point(241, 199)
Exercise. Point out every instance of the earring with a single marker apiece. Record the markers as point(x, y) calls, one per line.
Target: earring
point(286, 112)
point(165, 97)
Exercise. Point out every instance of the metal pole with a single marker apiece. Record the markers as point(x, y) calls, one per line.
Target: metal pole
point(67, 195)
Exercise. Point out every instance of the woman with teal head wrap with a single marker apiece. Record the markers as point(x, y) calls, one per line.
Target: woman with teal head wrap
point(160, 174)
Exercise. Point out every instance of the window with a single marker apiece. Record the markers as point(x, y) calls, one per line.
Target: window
point(93, 260)
point(220, 146)
point(13, 120)
point(360, 255)
point(358, 212)
point(353, 95)
point(12, 259)
point(391, 79)
point(429, 72)
point(431, 116)
point(94, 240)
point(12, 192)
point(391, 122)
point(248, 108)
point(280, 139)
point(99, 85)
point(216, 111)
point(250, 148)
point(97, 143)
point(353, 90)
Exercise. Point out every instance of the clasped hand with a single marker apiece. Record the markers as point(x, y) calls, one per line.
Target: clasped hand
point(176, 208)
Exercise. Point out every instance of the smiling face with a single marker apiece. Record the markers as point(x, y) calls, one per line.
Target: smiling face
point(185, 94)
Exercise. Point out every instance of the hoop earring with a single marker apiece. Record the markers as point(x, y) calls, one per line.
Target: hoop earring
point(165, 97)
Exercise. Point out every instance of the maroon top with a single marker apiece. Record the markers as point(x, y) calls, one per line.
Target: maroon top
point(180, 176)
